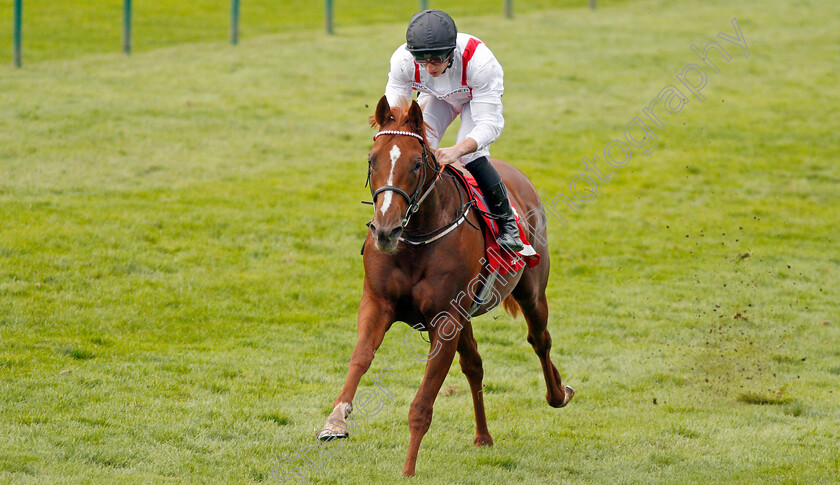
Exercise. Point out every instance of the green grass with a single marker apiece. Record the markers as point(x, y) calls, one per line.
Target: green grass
point(179, 267)
point(72, 28)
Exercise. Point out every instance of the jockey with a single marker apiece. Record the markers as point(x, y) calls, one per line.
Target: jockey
point(456, 74)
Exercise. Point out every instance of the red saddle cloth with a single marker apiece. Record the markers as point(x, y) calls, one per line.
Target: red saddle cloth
point(497, 258)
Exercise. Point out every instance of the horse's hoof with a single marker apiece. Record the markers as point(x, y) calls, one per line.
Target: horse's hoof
point(570, 393)
point(329, 435)
point(336, 426)
point(559, 403)
point(488, 441)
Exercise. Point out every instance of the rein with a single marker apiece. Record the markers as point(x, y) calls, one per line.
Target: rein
point(416, 199)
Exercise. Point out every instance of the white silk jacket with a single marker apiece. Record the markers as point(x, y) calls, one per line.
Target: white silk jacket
point(481, 86)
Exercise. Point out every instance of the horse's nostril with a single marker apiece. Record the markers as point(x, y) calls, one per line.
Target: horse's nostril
point(395, 233)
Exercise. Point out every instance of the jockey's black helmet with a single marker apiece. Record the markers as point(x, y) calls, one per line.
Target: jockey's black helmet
point(431, 33)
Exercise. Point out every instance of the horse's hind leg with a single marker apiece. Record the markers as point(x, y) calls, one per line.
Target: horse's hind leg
point(472, 367)
point(535, 310)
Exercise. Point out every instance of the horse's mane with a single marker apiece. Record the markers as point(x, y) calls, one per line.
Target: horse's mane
point(400, 115)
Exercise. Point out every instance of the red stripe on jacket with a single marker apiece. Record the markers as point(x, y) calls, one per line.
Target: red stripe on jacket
point(468, 54)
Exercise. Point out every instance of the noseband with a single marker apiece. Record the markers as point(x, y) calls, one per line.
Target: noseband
point(416, 199)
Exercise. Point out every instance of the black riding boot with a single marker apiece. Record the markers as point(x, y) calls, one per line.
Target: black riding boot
point(495, 193)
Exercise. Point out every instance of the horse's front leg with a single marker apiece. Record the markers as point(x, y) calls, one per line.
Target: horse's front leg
point(375, 318)
point(444, 342)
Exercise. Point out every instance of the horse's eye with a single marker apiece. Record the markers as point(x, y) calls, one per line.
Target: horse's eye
point(417, 166)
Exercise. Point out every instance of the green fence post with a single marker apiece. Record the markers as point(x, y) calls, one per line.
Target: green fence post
point(424, 4)
point(234, 22)
point(509, 9)
point(592, 4)
point(127, 26)
point(328, 16)
point(18, 27)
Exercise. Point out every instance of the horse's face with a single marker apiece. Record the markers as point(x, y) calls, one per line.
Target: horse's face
point(396, 171)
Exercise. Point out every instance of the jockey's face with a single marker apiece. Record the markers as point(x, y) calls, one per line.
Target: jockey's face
point(435, 65)
point(436, 70)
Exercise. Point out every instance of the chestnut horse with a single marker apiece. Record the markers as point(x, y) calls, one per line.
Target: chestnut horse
point(410, 281)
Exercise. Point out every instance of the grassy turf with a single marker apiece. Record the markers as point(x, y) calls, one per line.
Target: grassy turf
point(72, 28)
point(179, 267)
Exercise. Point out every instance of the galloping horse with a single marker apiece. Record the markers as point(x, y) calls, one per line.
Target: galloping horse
point(423, 260)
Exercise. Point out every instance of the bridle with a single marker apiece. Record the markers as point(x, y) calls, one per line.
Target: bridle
point(415, 199)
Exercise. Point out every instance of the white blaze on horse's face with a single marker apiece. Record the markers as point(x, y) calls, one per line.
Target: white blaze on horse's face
point(387, 196)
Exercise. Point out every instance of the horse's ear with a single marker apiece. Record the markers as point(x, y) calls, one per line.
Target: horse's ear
point(415, 117)
point(383, 111)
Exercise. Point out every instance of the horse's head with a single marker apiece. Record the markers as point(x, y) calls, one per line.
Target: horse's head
point(400, 166)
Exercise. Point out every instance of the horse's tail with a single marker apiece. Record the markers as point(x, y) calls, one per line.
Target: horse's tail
point(511, 306)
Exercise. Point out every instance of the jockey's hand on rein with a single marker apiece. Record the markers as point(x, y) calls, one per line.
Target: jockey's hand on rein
point(447, 155)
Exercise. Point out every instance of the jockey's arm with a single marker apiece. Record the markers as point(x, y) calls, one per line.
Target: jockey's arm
point(486, 108)
point(398, 90)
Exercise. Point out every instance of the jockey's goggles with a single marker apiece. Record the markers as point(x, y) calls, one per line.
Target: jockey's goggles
point(434, 58)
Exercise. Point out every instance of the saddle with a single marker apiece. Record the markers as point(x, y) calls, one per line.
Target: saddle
point(497, 259)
